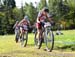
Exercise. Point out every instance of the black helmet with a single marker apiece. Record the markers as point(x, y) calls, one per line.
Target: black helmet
point(46, 9)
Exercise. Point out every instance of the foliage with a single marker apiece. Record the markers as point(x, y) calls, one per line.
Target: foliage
point(31, 11)
point(63, 12)
point(7, 20)
point(42, 4)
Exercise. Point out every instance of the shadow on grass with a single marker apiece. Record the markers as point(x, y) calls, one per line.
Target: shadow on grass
point(65, 47)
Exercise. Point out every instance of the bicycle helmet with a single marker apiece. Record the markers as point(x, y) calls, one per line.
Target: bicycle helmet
point(26, 17)
point(46, 9)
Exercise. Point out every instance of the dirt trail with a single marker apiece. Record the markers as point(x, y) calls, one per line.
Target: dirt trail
point(33, 52)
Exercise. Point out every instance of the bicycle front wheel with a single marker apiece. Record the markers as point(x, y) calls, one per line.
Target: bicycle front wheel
point(24, 39)
point(49, 40)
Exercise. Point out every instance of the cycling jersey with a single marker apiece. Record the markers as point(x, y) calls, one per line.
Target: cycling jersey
point(24, 24)
point(41, 19)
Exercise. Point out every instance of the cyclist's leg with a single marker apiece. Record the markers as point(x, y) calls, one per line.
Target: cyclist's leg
point(38, 35)
point(18, 35)
point(25, 30)
point(42, 36)
point(39, 32)
point(21, 32)
point(15, 34)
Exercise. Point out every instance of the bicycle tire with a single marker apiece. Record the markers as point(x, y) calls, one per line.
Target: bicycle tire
point(24, 39)
point(17, 38)
point(50, 40)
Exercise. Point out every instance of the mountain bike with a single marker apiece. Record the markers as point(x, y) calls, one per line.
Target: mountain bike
point(24, 37)
point(48, 38)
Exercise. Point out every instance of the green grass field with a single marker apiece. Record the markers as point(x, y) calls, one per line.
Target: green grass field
point(63, 43)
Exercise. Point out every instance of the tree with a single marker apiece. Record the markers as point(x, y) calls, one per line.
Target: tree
point(54, 8)
point(71, 13)
point(17, 14)
point(31, 11)
point(59, 8)
point(63, 9)
point(8, 19)
point(42, 4)
point(2, 23)
point(10, 3)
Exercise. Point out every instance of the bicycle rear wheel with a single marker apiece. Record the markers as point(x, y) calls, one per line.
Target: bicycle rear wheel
point(24, 39)
point(49, 40)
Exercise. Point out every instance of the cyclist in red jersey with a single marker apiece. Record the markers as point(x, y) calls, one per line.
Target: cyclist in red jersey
point(42, 16)
point(24, 24)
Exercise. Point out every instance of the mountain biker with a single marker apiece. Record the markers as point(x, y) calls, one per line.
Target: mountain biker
point(24, 24)
point(42, 16)
point(16, 27)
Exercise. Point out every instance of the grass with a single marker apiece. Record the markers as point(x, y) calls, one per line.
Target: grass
point(65, 42)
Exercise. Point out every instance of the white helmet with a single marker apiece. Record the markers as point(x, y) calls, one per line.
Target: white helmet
point(26, 17)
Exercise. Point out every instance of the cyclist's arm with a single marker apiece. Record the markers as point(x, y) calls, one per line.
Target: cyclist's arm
point(38, 17)
point(49, 17)
point(29, 23)
point(14, 26)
